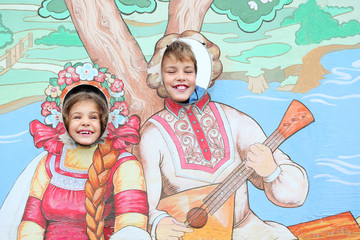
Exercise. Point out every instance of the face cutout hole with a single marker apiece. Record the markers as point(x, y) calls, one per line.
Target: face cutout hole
point(85, 88)
point(203, 75)
point(84, 93)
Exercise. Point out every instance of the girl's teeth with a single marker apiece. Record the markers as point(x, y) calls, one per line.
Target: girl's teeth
point(85, 132)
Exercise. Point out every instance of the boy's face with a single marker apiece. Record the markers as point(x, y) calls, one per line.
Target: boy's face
point(84, 122)
point(179, 78)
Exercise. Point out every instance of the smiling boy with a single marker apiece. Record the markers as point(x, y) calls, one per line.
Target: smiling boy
point(188, 146)
point(179, 72)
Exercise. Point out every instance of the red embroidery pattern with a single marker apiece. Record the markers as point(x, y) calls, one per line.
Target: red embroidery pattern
point(191, 146)
point(216, 142)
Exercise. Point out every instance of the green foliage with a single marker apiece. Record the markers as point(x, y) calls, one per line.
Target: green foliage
point(249, 14)
point(317, 25)
point(61, 37)
point(6, 36)
point(54, 8)
point(53, 82)
point(57, 8)
point(333, 11)
point(131, 6)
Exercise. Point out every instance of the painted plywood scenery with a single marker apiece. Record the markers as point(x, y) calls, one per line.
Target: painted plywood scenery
point(267, 149)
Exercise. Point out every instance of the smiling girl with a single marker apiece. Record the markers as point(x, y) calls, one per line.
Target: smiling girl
point(85, 117)
point(87, 186)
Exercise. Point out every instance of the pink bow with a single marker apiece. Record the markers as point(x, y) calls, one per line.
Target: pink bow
point(126, 135)
point(47, 137)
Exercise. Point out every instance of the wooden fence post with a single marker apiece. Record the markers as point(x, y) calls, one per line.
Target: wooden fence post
point(8, 58)
point(15, 53)
point(22, 47)
point(31, 40)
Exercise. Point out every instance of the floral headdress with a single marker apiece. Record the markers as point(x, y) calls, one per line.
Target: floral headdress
point(121, 130)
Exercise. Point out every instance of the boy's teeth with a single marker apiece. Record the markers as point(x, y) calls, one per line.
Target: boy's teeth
point(180, 87)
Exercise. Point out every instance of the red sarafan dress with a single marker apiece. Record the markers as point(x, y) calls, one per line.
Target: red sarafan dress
point(60, 208)
point(83, 192)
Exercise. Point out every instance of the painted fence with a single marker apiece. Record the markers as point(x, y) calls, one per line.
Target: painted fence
point(13, 54)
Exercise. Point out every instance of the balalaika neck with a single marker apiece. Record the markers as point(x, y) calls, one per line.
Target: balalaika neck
point(237, 177)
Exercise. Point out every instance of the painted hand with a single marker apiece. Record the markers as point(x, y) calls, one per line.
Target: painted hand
point(260, 159)
point(171, 229)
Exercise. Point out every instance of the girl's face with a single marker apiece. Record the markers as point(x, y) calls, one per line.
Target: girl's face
point(179, 78)
point(84, 122)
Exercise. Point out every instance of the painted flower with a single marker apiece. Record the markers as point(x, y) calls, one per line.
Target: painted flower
point(53, 119)
point(100, 77)
point(53, 91)
point(116, 94)
point(117, 86)
point(122, 107)
point(116, 118)
point(67, 76)
point(109, 79)
point(47, 107)
point(87, 71)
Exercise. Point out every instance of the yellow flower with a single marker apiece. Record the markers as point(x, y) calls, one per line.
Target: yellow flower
point(53, 91)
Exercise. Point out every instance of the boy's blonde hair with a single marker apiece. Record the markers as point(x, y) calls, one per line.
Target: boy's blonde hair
point(181, 51)
point(82, 96)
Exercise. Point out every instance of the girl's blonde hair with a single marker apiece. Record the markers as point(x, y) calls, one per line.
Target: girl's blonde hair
point(82, 96)
point(181, 51)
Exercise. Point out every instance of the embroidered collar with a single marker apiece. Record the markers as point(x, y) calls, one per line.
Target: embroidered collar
point(175, 108)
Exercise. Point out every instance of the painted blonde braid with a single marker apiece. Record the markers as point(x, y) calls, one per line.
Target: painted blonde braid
point(103, 160)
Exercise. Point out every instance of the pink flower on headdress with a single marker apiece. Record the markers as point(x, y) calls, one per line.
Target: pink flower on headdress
point(117, 86)
point(67, 76)
point(53, 91)
point(100, 77)
point(122, 106)
point(47, 107)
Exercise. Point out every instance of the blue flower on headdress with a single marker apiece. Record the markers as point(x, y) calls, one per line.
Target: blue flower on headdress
point(53, 118)
point(116, 94)
point(87, 72)
point(116, 118)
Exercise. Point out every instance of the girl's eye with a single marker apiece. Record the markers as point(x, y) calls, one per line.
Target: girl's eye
point(76, 117)
point(94, 117)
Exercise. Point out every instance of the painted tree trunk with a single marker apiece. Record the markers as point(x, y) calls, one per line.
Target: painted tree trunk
point(99, 23)
point(186, 15)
